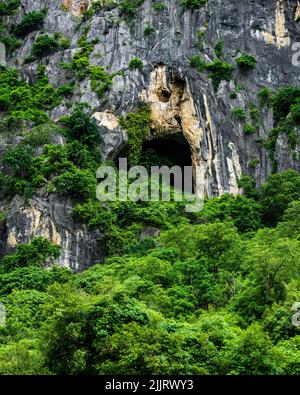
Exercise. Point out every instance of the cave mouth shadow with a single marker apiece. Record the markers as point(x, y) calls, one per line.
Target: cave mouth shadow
point(169, 150)
point(173, 149)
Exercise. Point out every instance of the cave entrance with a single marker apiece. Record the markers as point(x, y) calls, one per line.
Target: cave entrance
point(169, 150)
point(172, 150)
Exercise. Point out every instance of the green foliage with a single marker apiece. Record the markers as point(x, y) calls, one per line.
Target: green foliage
point(10, 41)
point(129, 8)
point(35, 253)
point(219, 71)
point(9, 7)
point(30, 22)
point(26, 102)
point(192, 4)
point(208, 297)
point(44, 45)
point(136, 64)
point(158, 6)
point(148, 30)
point(138, 127)
point(295, 112)
point(254, 163)
point(219, 47)
point(244, 212)
point(239, 114)
point(246, 62)
point(283, 99)
point(100, 5)
point(82, 127)
point(200, 36)
point(100, 79)
point(285, 107)
point(279, 190)
point(78, 184)
point(265, 97)
point(198, 63)
point(249, 129)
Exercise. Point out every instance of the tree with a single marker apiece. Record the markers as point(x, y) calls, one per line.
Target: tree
point(279, 190)
point(36, 253)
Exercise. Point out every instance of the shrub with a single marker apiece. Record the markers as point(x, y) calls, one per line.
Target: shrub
point(238, 113)
point(198, 63)
point(219, 48)
point(62, 41)
point(44, 45)
point(136, 64)
point(246, 62)
point(11, 42)
point(10, 7)
point(254, 163)
point(249, 129)
point(295, 112)
point(138, 127)
point(192, 4)
point(100, 79)
point(82, 127)
point(35, 253)
point(78, 184)
point(30, 22)
point(265, 97)
point(129, 8)
point(283, 99)
point(100, 5)
point(219, 71)
point(148, 30)
point(158, 6)
point(24, 101)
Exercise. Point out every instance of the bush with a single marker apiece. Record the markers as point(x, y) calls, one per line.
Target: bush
point(192, 4)
point(246, 62)
point(238, 113)
point(283, 99)
point(219, 48)
point(249, 129)
point(138, 127)
point(35, 253)
point(101, 80)
point(219, 71)
point(136, 64)
point(10, 7)
point(265, 97)
point(198, 63)
point(148, 30)
point(129, 8)
point(44, 45)
point(78, 184)
point(158, 6)
point(295, 112)
point(82, 127)
point(30, 22)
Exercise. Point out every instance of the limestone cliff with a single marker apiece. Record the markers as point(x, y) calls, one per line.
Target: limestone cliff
point(181, 99)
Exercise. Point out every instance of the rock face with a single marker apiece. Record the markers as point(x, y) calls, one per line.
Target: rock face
point(50, 217)
point(181, 99)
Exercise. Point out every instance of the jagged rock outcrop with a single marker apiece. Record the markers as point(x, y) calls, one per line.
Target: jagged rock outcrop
point(181, 99)
point(51, 217)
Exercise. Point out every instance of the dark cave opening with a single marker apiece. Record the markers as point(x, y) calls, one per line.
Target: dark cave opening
point(173, 149)
point(170, 150)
